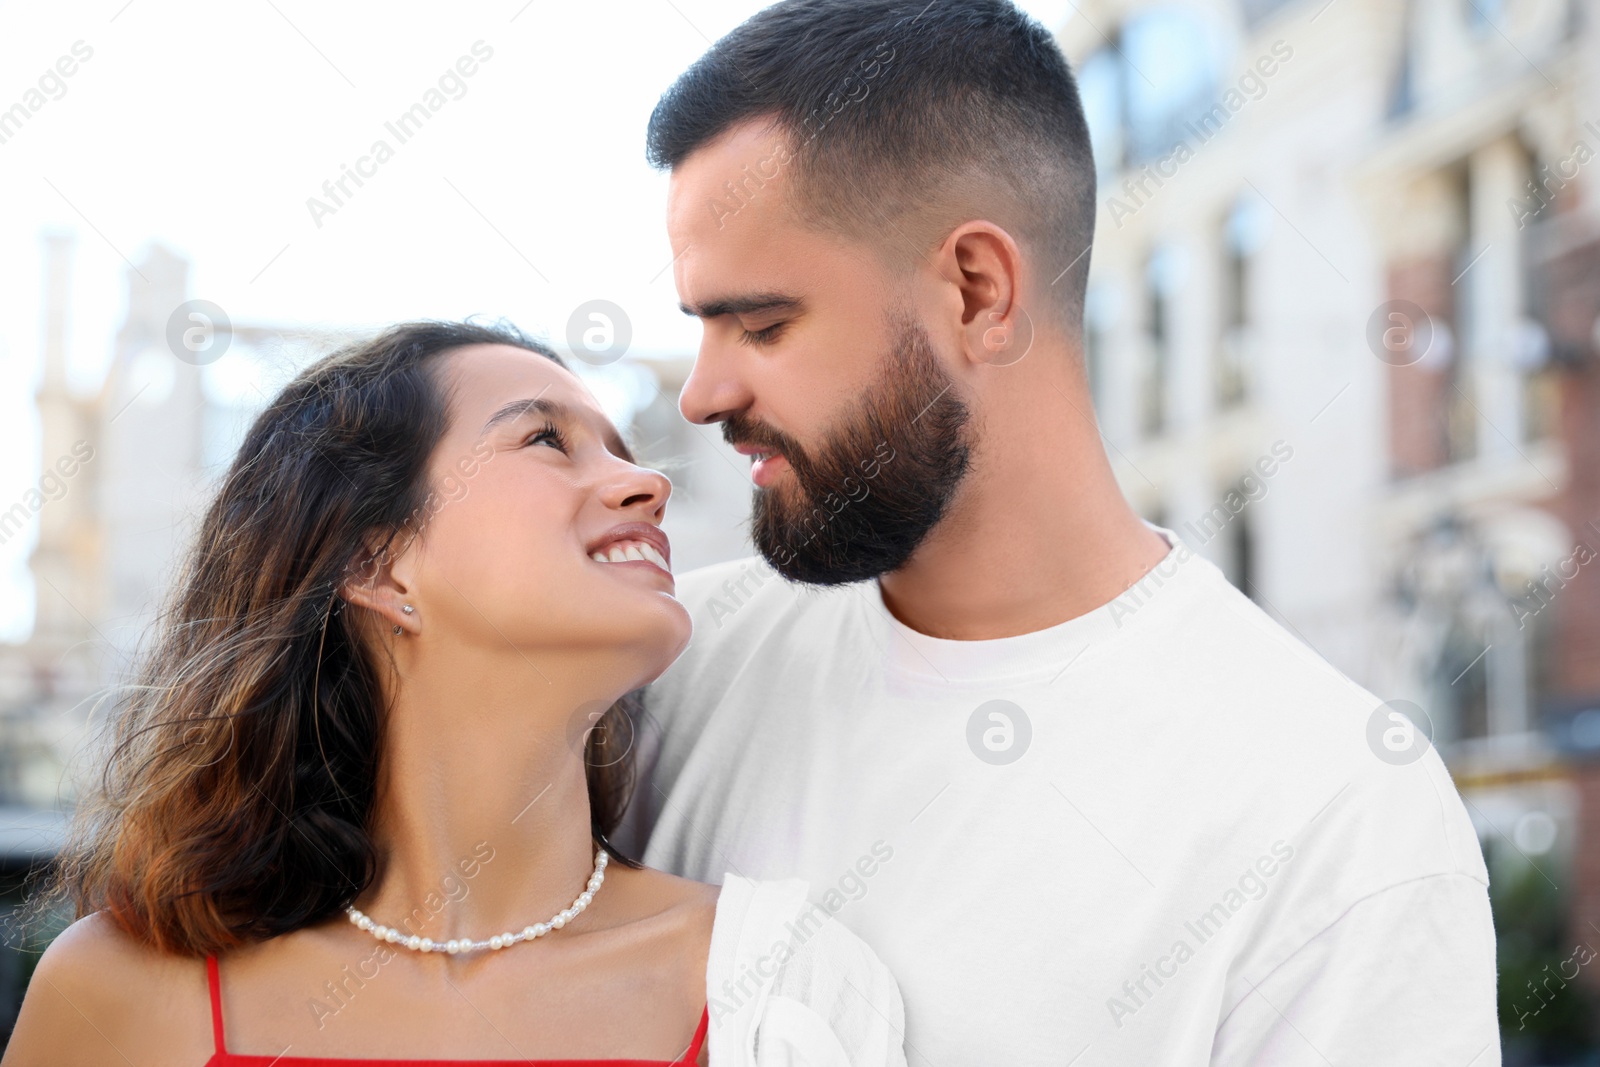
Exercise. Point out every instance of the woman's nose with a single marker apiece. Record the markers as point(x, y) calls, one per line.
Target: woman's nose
point(637, 488)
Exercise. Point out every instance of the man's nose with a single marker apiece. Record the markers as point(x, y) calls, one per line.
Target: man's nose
point(714, 391)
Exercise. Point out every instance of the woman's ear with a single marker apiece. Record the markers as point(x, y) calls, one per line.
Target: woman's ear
point(371, 582)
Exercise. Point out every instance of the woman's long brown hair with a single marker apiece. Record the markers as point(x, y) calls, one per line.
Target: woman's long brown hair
point(236, 797)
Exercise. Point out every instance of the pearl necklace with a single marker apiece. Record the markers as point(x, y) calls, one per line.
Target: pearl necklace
point(498, 941)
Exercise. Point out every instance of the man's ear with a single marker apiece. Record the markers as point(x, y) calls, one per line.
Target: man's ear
point(985, 264)
point(371, 581)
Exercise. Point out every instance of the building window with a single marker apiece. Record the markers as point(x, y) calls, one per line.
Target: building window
point(1099, 320)
point(1175, 64)
point(1243, 232)
point(1238, 545)
point(1531, 348)
point(1104, 107)
point(1160, 69)
point(1160, 283)
point(1460, 415)
point(1483, 17)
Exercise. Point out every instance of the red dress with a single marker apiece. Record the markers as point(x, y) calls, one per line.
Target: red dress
point(223, 1058)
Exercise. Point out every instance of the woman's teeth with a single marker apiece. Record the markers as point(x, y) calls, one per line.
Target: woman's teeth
point(622, 551)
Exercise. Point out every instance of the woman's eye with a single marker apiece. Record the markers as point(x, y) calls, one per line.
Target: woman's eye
point(549, 435)
point(761, 337)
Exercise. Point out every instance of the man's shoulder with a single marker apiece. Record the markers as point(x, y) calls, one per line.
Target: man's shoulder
point(1215, 630)
point(734, 603)
point(1302, 736)
point(725, 578)
point(743, 612)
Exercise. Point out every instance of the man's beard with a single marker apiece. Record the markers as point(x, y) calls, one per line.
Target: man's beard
point(868, 496)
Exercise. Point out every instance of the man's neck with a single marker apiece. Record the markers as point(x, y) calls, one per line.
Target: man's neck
point(1040, 532)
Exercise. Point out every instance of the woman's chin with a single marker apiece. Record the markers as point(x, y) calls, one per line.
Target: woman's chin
point(647, 651)
point(670, 641)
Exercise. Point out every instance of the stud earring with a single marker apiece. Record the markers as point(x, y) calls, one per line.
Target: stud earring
point(408, 609)
point(397, 630)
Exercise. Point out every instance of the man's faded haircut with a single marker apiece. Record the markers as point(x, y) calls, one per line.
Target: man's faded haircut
point(904, 118)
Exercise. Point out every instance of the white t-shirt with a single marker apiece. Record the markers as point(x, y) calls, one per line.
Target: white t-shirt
point(788, 985)
point(1162, 832)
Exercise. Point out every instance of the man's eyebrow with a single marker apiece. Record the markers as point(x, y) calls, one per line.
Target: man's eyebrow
point(742, 305)
point(556, 412)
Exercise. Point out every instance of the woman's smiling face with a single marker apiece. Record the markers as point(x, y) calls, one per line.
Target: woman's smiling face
point(543, 535)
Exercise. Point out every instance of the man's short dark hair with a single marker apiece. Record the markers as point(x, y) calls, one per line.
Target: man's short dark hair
point(905, 119)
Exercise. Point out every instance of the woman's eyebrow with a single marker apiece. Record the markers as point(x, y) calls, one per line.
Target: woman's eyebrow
point(556, 412)
point(517, 408)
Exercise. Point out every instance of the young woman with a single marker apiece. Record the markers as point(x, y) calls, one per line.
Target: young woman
point(356, 808)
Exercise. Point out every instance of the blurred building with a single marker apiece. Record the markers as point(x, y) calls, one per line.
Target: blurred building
point(1368, 232)
point(1342, 335)
point(124, 473)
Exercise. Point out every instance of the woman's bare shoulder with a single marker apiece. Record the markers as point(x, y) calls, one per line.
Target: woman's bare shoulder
point(98, 996)
point(663, 918)
point(653, 894)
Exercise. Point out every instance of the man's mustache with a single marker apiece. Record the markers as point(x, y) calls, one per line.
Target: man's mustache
point(738, 430)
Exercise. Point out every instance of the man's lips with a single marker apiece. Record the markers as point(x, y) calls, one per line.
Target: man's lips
point(768, 463)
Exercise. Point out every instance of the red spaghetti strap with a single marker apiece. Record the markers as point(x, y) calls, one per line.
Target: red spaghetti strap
point(699, 1036)
point(216, 1003)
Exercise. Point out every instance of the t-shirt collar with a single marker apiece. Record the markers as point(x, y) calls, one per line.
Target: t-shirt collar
point(1038, 655)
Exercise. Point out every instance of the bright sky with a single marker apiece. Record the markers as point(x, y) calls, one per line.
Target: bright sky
point(207, 127)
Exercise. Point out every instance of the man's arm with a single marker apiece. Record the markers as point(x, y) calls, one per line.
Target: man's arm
point(1405, 977)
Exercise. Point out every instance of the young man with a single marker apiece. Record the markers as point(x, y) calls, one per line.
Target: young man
point(1087, 802)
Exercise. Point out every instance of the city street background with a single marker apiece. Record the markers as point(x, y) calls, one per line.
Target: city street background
point(1343, 331)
